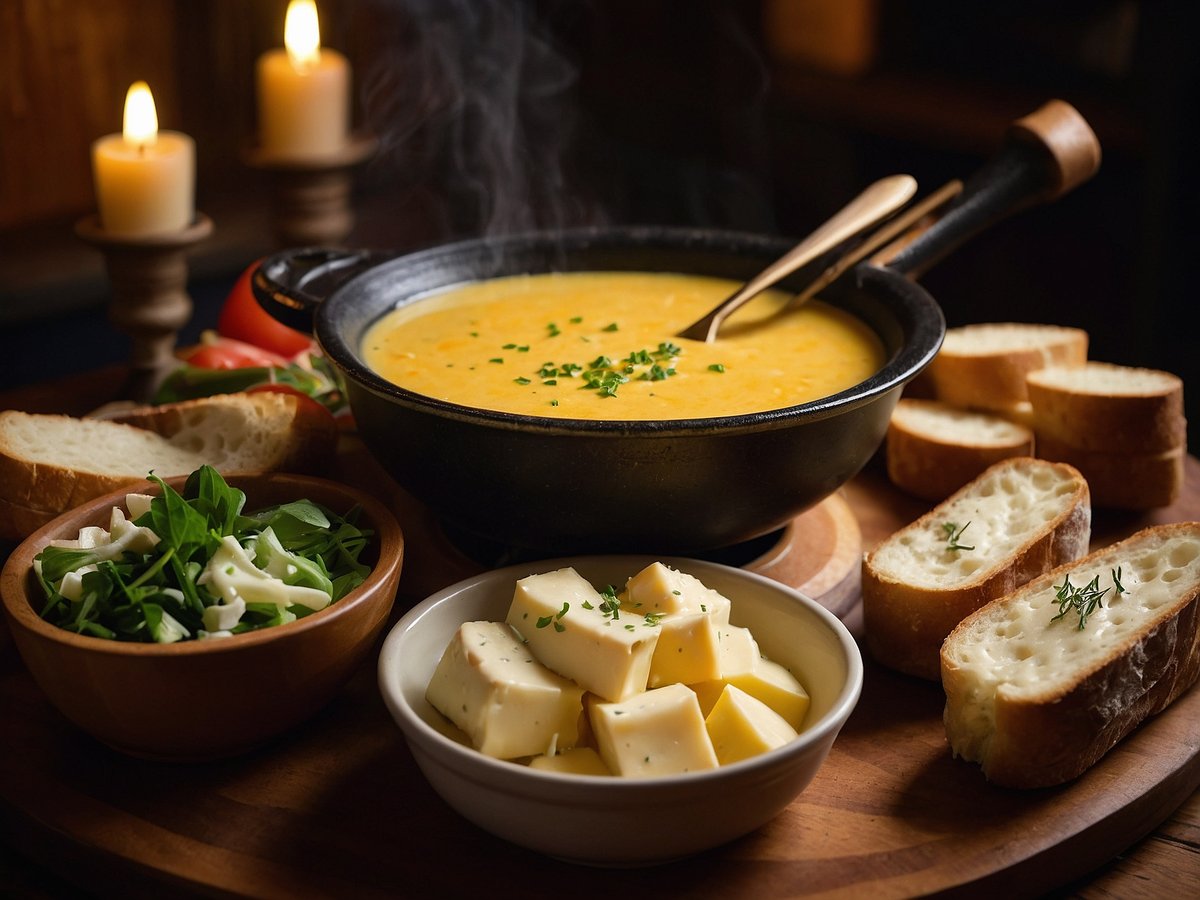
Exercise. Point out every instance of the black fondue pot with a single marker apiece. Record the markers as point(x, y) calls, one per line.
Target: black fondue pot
point(563, 486)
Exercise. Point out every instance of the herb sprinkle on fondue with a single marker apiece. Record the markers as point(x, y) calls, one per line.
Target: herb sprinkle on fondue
point(601, 345)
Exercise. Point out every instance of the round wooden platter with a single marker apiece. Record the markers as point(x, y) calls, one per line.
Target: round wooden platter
point(338, 808)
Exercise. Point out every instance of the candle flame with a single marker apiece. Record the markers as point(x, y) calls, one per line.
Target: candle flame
point(302, 33)
point(141, 118)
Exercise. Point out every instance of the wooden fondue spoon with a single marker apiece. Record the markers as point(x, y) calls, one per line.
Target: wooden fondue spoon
point(874, 204)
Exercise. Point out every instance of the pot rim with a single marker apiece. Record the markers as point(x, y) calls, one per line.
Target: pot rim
point(924, 316)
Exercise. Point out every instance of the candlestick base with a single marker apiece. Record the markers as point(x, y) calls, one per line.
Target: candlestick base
point(311, 195)
point(149, 300)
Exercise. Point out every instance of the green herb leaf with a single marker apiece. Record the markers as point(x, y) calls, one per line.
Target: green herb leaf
point(156, 596)
point(953, 533)
point(1083, 600)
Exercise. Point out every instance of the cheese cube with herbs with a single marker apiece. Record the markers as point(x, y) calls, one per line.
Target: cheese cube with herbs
point(508, 704)
point(580, 634)
point(576, 761)
point(658, 732)
point(661, 589)
point(687, 650)
point(688, 615)
point(741, 726)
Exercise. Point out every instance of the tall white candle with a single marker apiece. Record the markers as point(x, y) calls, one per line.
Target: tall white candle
point(145, 179)
point(303, 91)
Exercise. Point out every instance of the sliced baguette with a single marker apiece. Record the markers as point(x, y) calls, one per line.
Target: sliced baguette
point(932, 449)
point(984, 366)
point(1018, 519)
point(1036, 702)
point(1109, 408)
point(1123, 480)
point(51, 463)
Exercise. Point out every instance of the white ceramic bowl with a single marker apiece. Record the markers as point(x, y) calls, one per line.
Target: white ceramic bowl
point(612, 821)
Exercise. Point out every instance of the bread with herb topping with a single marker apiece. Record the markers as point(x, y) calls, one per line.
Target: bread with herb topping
point(1016, 520)
point(51, 463)
point(932, 448)
point(984, 366)
point(1036, 699)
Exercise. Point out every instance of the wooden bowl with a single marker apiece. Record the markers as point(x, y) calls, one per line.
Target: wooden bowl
point(201, 700)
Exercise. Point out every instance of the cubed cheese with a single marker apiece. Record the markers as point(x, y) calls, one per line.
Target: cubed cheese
point(737, 653)
point(741, 726)
point(659, 732)
point(689, 615)
point(688, 649)
point(508, 704)
point(778, 688)
point(576, 761)
point(574, 631)
point(661, 589)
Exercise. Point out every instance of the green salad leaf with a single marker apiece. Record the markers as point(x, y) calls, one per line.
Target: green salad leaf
point(320, 380)
point(123, 591)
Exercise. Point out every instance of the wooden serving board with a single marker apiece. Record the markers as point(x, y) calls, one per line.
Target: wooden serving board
point(338, 808)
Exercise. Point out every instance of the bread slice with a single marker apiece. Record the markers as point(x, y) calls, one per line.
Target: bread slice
point(1037, 701)
point(1123, 480)
point(51, 463)
point(1109, 408)
point(984, 366)
point(1018, 519)
point(932, 449)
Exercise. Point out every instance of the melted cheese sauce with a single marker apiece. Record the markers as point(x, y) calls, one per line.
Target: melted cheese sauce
point(533, 344)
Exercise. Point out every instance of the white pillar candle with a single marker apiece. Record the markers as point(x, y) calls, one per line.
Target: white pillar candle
point(303, 92)
point(145, 179)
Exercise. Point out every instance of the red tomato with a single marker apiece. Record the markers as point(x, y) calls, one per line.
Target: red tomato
point(227, 353)
point(243, 319)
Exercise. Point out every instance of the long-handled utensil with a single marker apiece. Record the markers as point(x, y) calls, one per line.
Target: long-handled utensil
point(873, 205)
point(883, 243)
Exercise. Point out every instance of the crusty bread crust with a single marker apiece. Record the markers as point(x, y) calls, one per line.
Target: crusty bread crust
point(1051, 729)
point(52, 463)
point(1123, 480)
point(303, 436)
point(984, 366)
point(907, 614)
point(932, 449)
point(46, 483)
point(1109, 408)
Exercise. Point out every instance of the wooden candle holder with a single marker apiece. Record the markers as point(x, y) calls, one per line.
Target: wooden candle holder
point(149, 299)
point(311, 195)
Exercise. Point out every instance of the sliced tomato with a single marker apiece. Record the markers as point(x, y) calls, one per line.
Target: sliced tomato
point(216, 352)
point(243, 319)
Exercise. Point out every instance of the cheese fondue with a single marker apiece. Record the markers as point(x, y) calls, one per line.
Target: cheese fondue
point(601, 345)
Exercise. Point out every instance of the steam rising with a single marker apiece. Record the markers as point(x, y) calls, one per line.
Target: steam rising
point(473, 100)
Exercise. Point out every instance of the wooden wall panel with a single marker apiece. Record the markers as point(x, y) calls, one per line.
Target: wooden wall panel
point(64, 69)
point(65, 66)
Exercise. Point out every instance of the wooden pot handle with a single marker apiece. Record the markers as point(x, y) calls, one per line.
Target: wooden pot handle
point(1074, 149)
point(1044, 155)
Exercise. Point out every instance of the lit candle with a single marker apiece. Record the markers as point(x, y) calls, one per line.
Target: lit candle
point(303, 91)
point(145, 178)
